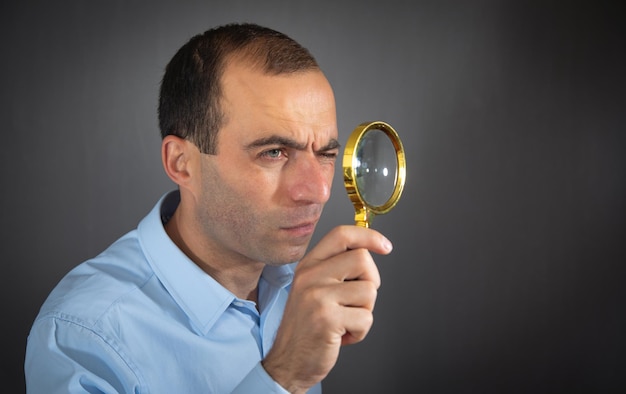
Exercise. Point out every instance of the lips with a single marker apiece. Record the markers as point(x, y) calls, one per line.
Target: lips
point(302, 221)
point(301, 229)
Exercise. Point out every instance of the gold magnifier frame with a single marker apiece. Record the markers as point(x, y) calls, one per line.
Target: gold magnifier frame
point(364, 211)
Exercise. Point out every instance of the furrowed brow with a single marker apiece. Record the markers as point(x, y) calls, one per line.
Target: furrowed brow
point(332, 144)
point(290, 143)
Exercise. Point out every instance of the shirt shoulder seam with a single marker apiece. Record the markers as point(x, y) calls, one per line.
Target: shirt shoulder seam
point(107, 340)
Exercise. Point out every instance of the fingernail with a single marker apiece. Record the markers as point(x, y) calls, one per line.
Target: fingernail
point(387, 245)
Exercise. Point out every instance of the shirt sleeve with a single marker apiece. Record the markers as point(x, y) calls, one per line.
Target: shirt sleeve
point(66, 357)
point(259, 381)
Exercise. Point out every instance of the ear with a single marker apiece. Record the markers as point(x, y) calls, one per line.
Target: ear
point(178, 156)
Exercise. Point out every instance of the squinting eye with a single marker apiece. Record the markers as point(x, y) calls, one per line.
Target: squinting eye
point(330, 156)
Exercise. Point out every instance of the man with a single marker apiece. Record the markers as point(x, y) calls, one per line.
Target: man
point(203, 296)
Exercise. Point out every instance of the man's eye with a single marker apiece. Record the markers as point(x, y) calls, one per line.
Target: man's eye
point(330, 155)
point(272, 153)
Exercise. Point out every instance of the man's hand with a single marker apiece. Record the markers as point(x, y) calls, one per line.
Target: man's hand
point(330, 304)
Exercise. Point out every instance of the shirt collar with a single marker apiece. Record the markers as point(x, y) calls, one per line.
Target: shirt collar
point(200, 296)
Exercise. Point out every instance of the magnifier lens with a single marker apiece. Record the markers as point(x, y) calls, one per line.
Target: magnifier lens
point(374, 170)
point(375, 167)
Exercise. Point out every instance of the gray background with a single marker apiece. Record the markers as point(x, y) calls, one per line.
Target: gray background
point(508, 273)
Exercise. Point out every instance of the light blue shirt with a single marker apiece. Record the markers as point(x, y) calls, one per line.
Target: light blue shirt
point(143, 318)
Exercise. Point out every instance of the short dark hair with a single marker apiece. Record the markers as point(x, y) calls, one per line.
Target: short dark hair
point(189, 98)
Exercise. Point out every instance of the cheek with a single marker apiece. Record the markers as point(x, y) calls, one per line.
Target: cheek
point(242, 192)
point(261, 185)
point(331, 172)
point(330, 175)
point(226, 211)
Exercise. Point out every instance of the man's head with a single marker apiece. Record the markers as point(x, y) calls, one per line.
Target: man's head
point(255, 192)
point(189, 101)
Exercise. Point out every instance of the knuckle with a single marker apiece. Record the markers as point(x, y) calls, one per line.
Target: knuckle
point(369, 319)
point(342, 231)
point(371, 294)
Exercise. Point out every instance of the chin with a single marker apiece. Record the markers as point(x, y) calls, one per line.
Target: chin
point(294, 256)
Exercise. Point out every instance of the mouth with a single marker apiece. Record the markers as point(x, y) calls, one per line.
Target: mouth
point(303, 229)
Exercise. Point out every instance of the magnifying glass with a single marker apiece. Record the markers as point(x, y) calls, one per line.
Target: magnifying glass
point(374, 170)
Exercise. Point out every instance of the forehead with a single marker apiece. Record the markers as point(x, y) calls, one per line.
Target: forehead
point(299, 105)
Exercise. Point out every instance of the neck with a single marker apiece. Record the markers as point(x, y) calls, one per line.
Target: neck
point(240, 278)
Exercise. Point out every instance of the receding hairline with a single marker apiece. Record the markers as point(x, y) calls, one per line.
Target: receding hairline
point(231, 72)
point(256, 55)
point(251, 57)
point(244, 60)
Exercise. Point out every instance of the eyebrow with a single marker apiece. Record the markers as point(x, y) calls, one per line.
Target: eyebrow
point(289, 143)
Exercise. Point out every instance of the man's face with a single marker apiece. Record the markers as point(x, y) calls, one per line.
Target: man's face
point(263, 192)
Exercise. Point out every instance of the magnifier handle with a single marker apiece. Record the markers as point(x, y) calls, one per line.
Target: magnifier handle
point(363, 217)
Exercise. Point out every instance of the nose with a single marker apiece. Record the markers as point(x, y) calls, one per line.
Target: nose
point(309, 179)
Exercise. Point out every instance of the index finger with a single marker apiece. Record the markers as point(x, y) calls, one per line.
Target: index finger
point(343, 238)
